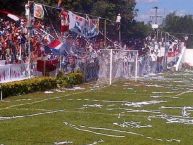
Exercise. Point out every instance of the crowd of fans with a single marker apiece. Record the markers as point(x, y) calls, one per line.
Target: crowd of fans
point(15, 46)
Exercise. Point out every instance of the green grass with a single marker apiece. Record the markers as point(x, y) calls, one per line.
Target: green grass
point(42, 119)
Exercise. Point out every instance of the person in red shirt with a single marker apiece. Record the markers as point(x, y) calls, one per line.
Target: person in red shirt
point(64, 22)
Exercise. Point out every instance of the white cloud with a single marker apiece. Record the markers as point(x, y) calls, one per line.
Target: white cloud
point(181, 13)
point(147, 1)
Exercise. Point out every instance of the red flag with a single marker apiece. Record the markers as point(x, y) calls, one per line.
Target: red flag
point(48, 65)
point(64, 21)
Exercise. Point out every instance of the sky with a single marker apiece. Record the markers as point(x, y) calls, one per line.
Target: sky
point(145, 8)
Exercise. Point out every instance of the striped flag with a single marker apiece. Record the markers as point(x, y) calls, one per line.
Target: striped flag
point(56, 47)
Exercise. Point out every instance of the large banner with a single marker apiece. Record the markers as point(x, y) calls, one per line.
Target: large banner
point(87, 28)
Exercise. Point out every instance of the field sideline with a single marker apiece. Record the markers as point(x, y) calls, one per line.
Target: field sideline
point(151, 111)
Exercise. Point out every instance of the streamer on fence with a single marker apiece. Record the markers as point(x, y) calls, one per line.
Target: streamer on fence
point(116, 64)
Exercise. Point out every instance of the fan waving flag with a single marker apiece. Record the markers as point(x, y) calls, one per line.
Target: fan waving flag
point(56, 47)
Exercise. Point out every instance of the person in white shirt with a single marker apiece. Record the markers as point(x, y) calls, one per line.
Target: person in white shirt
point(153, 61)
point(27, 10)
point(118, 20)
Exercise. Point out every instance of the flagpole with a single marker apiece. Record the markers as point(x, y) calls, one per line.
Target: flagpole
point(105, 32)
point(62, 34)
point(29, 40)
point(60, 61)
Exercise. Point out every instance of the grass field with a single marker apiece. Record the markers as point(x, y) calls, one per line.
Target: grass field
point(156, 111)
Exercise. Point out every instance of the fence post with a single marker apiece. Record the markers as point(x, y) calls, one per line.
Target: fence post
point(85, 68)
point(111, 66)
point(44, 73)
point(10, 77)
point(136, 66)
point(1, 94)
point(105, 33)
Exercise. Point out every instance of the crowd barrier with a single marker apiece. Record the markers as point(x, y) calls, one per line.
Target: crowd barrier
point(90, 71)
point(13, 72)
point(107, 65)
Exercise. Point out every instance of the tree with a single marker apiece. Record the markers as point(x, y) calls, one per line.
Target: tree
point(102, 8)
point(16, 6)
point(180, 26)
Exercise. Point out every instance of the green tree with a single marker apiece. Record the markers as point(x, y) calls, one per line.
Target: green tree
point(102, 8)
point(16, 6)
point(180, 26)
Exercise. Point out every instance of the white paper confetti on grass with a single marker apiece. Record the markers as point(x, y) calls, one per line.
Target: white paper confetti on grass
point(23, 100)
point(156, 96)
point(75, 88)
point(141, 104)
point(48, 92)
point(93, 106)
point(60, 91)
point(90, 129)
point(134, 110)
point(63, 143)
point(30, 115)
point(132, 124)
point(157, 86)
point(184, 110)
point(96, 142)
point(174, 119)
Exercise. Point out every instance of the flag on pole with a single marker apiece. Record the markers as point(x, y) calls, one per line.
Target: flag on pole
point(85, 27)
point(10, 15)
point(64, 21)
point(38, 11)
point(56, 47)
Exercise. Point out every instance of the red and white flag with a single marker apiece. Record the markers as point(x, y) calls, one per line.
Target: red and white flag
point(64, 21)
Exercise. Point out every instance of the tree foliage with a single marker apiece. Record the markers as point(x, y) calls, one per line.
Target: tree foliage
point(180, 26)
point(16, 6)
point(102, 8)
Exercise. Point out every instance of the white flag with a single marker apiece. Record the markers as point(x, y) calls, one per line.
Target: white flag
point(38, 11)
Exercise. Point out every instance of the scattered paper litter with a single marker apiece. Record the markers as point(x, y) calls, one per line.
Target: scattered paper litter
point(63, 143)
point(94, 131)
point(48, 92)
point(59, 91)
point(140, 104)
point(23, 100)
point(96, 142)
point(75, 88)
point(132, 124)
point(157, 86)
point(163, 92)
point(79, 88)
point(94, 106)
point(156, 96)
